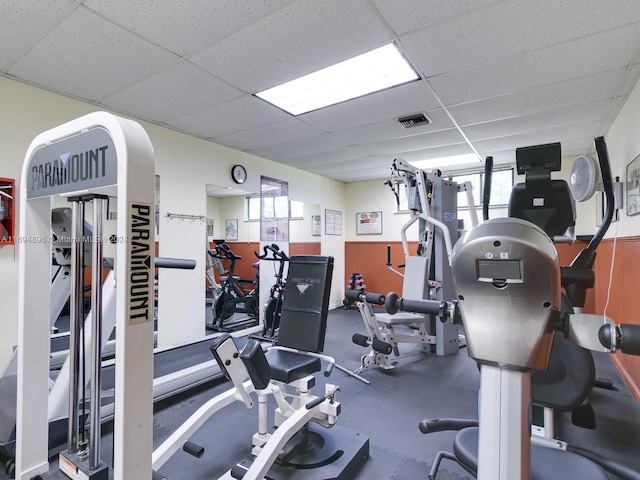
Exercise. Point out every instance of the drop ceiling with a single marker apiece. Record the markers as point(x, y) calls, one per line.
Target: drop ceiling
point(495, 75)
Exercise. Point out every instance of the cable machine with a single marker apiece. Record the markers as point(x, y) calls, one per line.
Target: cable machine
point(88, 160)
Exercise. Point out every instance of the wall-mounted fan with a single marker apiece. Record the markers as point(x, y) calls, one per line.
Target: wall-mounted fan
point(584, 178)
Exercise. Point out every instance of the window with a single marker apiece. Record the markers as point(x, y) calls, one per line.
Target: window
point(275, 209)
point(501, 186)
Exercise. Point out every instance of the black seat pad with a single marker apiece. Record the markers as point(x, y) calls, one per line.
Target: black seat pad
point(288, 366)
point(546, 463)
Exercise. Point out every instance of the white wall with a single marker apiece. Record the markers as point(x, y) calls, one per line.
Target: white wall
point(623, 144)
point(185, 165)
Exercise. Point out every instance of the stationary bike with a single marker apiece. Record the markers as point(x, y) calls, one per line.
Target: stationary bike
point(273, 307)
point(233, 297)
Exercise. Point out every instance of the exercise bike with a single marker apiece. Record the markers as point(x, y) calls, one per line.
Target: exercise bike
point(273, 307)
point(233, 297)
point(508, 289)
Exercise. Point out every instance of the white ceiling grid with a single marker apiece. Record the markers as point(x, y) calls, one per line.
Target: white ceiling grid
point(511, 73)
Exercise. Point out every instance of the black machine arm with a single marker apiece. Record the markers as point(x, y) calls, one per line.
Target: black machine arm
point(579, 276)
point(486, 190)
point(440, 308)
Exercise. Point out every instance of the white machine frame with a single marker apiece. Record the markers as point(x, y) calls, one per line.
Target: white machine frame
point(134, 186)
point(290, 417)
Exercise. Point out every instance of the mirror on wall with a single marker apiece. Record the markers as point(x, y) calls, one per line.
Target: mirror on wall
point(233, 217)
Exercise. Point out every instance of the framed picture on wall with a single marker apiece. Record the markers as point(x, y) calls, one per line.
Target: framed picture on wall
point(633, 189)
point(231, 229)
point(369, 223)
point(209, 227)
point(316, 224)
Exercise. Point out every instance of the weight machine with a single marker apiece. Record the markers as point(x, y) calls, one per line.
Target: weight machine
point(296, 449)
point(433, 205)
point(88, 159)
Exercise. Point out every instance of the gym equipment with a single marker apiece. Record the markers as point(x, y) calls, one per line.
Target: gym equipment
point(91, 156)
point(213, 265)
point(355, 283)
point(432, 202)
point(571, 372)
point(233, 297)
point(295, 449)
point(60, 287)
point(273, 307)
point(508, 279)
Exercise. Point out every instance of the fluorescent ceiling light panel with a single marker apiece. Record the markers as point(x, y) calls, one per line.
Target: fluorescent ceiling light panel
point(382, 68)
point(444, 162)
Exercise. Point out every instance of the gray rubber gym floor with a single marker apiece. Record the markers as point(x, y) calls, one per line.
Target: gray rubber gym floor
point(388, 411)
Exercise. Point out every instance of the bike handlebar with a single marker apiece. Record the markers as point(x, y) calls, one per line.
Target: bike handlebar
point(223, 251)
point(277, 254)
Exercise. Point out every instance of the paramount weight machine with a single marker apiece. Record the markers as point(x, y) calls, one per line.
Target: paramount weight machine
point(87, 160)
point(433, 205)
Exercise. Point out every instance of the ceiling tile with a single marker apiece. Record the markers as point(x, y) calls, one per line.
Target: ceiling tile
point(362, 163)
point(391, 129)
point(88, 58)
point(158, 98)
point(414, 142)
point(324, 157)
point(25, 22)
point(588, 56)
point(558, 117)
point(539, 137)
point(185, 26)
point(304, 145)
point(240, 114)
point(510, 28)
point(418, 14)
point(272, 134)
point(569, 92)
point(394, 102)
point(302, 37)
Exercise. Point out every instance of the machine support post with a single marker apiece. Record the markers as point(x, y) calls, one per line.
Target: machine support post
point(96, 335)
point(75, 321)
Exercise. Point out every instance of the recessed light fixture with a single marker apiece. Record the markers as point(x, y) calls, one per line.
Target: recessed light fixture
point(444, 162)
point(379, 69)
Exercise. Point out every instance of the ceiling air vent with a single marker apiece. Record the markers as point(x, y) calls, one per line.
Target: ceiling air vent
point(414, 120)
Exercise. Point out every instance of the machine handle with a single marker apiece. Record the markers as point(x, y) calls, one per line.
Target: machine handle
point(357, 296)
point(393, 304)
point(319, 400)
point(486, 191)
point(329, 369)
point(182, 263)
point(444, 424)
point(625, 337)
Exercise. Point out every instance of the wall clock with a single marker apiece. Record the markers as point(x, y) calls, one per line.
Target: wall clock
point(239, 174)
